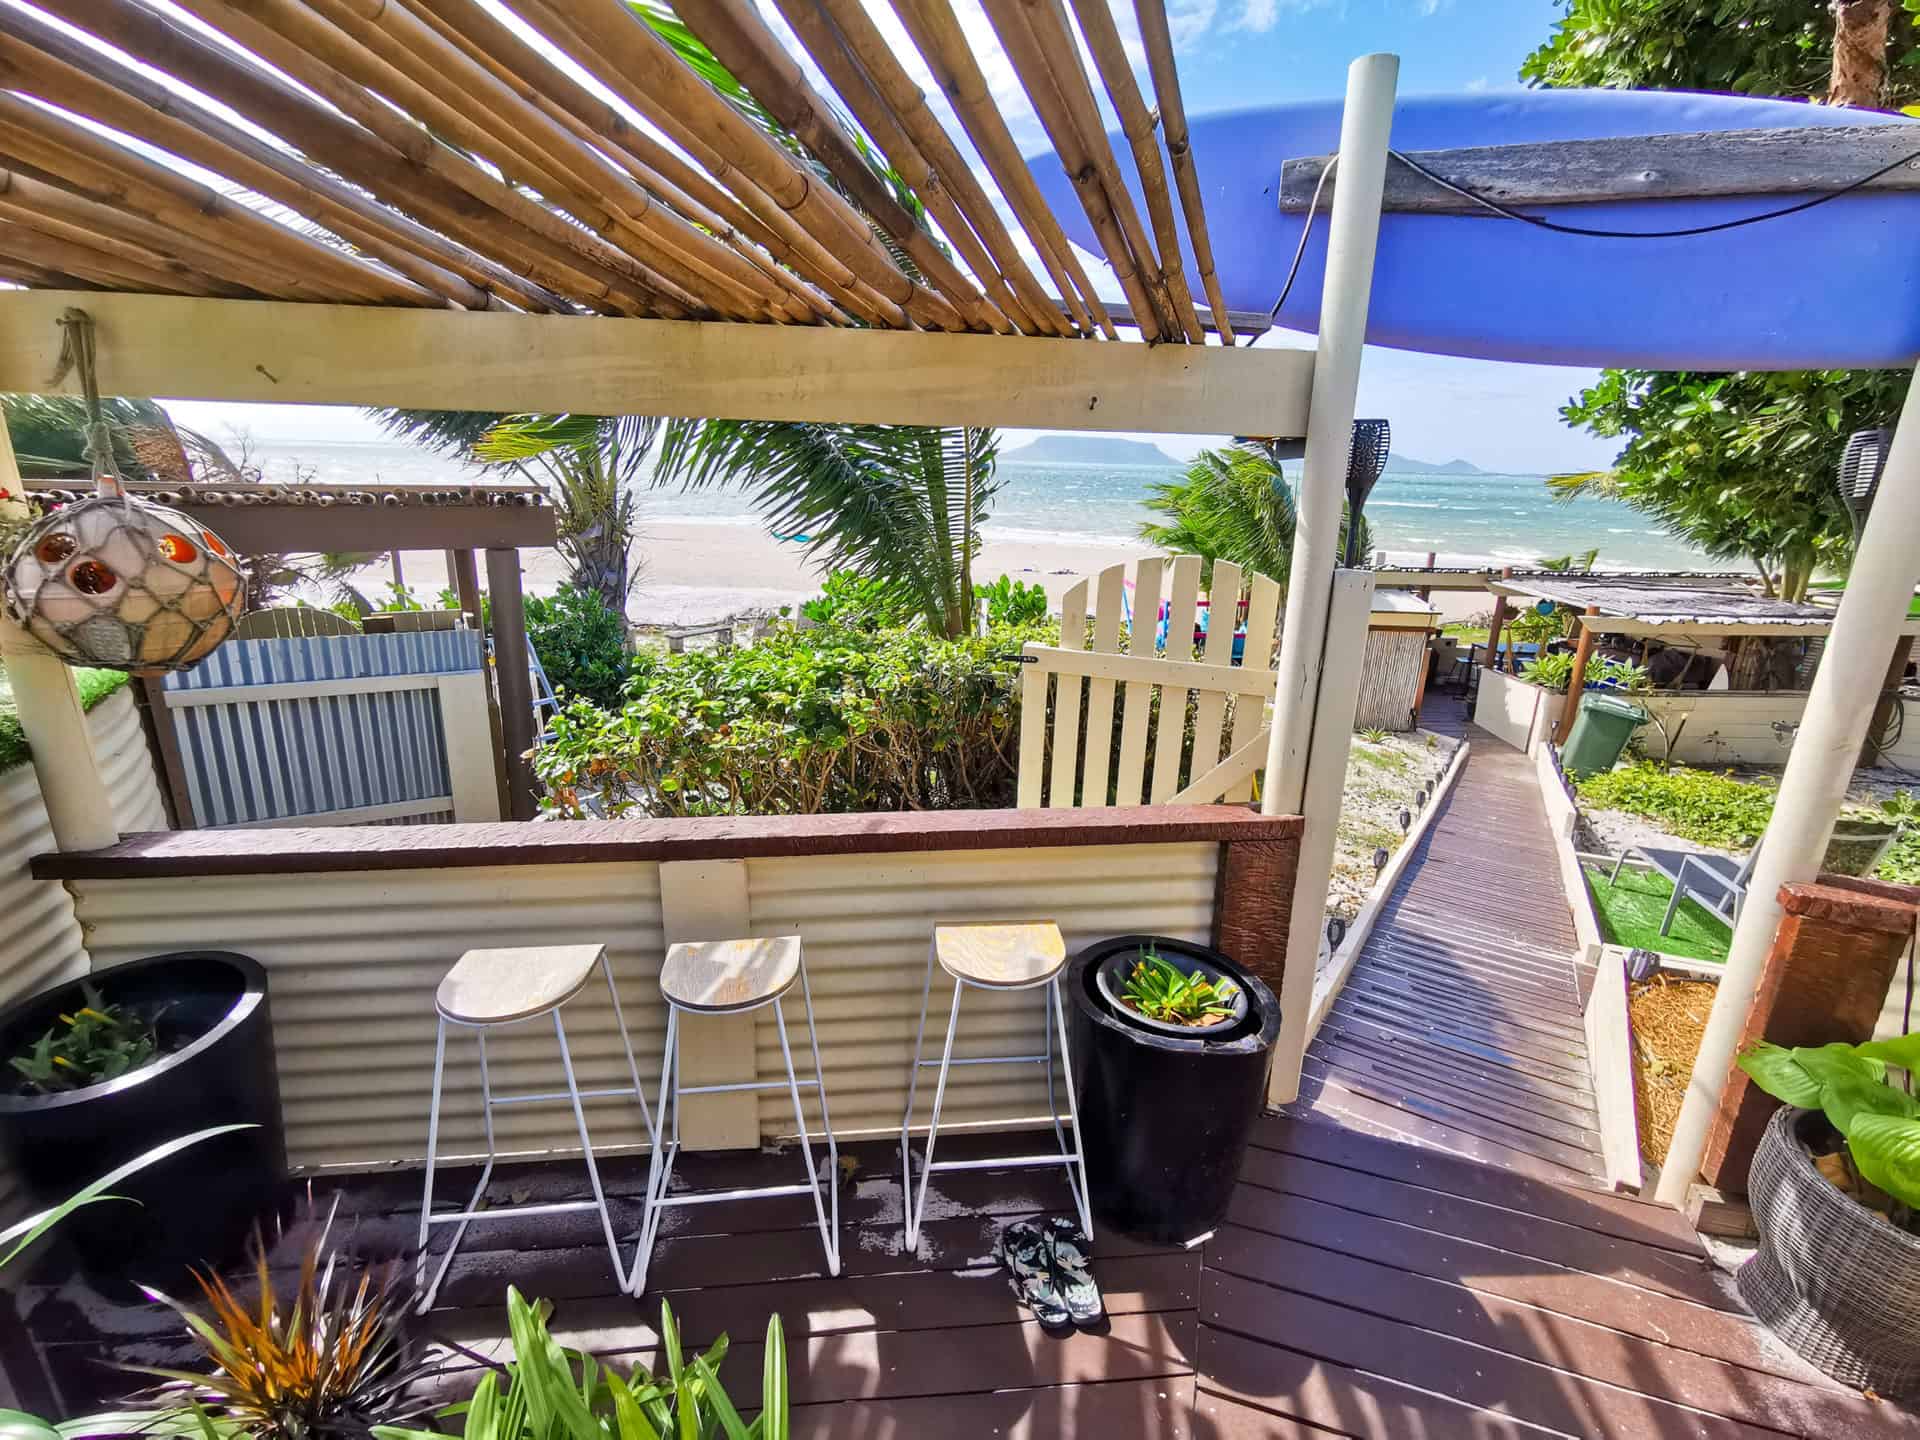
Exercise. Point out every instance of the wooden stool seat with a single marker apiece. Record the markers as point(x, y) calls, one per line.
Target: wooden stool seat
point(498, 987)
point(717, 976)
point(1009, 957)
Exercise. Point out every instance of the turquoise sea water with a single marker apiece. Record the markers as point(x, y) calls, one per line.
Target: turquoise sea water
point(1464, 519)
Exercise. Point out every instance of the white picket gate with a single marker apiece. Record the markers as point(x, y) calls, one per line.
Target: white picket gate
point(1115, 676)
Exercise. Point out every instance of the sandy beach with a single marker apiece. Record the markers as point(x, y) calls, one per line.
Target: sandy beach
point(692, 572)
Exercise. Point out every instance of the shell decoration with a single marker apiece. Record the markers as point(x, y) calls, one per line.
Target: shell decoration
point(125, 584)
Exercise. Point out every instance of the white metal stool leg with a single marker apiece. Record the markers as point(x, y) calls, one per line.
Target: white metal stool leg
point(829, 1241)
point(918, 1209)
point(1077, 1170)
point(913, 1087)
point(427, 1218)
point(626, 1040)
point(586, 1141)
point(433, 1146)
point(660, 1168)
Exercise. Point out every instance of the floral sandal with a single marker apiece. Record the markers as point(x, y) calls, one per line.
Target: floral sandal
point(1067, 1250)
point(1024, 1249)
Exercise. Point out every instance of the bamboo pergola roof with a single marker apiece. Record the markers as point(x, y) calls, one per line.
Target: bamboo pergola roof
point(447, 153)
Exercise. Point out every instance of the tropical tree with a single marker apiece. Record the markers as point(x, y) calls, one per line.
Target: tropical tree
point(1739, 465)
point(588, 465)
point(1232, 504)
point(899, 505)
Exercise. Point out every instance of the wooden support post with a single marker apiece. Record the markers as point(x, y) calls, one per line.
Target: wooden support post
point(512, 675)
point(464, 578)
point(1889, 699)
point(164, 739)
point(79, 807)
point(1576, 682)
point(1496, 625)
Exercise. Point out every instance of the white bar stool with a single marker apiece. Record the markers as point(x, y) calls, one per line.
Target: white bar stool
point(729, 977)
point(490, 989)
point(995, 957)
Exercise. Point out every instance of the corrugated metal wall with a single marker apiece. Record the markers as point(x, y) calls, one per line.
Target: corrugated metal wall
point(355, 959)
point(42, 940)
point(289, 756)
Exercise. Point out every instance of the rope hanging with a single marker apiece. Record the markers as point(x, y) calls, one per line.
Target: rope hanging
point(116, 581)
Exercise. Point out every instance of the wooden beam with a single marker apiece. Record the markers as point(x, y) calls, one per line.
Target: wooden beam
point(1577, 682)
point(512, 676)
point(189, 348)
point(1795, 161)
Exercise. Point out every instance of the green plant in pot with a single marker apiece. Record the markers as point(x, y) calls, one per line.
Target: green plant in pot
point(1160, 990)
point(1835, 1190)
point(97, 1042)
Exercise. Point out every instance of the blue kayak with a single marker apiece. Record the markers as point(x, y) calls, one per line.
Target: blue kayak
point(1838, 285)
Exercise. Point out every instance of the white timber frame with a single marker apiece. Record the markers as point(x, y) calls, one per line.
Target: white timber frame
point(277, 352)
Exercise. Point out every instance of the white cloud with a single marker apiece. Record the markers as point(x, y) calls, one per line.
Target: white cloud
point(1478, 84)
point(1258, 16)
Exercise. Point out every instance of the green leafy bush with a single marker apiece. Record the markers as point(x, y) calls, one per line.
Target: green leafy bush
point(1555, 672)
point(1704, 806)
point(851, 601)
point(582, 645)
point(1012, 602)
point(94, 686)
point(98, 1042)
point(802, 722)
point(1549, 672)
point(1849, 1083)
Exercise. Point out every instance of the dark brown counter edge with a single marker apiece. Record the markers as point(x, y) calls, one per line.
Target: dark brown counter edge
point(334, 849)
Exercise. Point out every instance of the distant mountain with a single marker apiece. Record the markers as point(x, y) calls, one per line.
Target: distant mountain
point(1089, 450)
point(1407, 465)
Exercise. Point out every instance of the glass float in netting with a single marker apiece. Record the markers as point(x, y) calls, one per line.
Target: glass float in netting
point(122, 583)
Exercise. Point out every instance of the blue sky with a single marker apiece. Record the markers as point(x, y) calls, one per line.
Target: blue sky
point(1245, 52)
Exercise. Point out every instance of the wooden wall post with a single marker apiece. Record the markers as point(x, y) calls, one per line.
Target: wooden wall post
point(512, 676)
point(1496, 625)
point(1577, 681)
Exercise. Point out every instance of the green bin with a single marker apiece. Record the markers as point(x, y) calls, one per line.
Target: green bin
point(1600, 732)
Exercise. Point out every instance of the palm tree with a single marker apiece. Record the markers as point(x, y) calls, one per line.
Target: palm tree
point(900, 505)
point(1233, 504)
point(588, 465)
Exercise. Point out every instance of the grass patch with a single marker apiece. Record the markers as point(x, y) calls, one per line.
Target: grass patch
point(1703, 806)
point(1466, 634)
point(95, 686)
point(1630, 915)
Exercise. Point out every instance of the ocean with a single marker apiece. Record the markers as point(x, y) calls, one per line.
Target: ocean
point(1463, 519)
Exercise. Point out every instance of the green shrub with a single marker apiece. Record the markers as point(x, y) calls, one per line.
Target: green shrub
point(1704, 806)
point(582, 645)
point(94, 686)
point(803, 722)
point(850, 601)
point(1012, 602)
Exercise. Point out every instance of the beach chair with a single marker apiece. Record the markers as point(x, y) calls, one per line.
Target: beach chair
point(1719, 882)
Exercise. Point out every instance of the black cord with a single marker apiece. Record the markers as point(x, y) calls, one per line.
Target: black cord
point(1511, 214)
point(1300, 250)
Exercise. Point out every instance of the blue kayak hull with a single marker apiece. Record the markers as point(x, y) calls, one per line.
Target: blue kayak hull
point(1835, 286)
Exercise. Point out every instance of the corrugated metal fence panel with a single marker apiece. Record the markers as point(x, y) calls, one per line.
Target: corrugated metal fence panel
point(866, 922)
point(355, 959)
point(252, 762)
point(41, 938)
point(1390, 679)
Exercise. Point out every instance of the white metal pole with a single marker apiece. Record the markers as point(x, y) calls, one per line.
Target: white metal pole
point(1359, 176)
point(1338, 699)
point(79, 807)
point(1886, 568)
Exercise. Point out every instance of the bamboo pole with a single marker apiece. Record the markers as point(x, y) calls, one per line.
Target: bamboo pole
point(599, 274)
point(846, 23)
point(1139, 125)
point(1158, 41)
point(608, 40)
point(109, 269)
point(691, 193)
point(851, 83)
point(191, 267)
point(578, 177)
point(313, 45)
point(248, 88)
point(943, 45)
point(1010, 23)
point(807, 251)
point(1060, 50)
point(85, 160)
point(739, 38)
point(38, 58)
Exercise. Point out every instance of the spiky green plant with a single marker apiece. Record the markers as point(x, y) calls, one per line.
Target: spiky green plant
point(1161, 990)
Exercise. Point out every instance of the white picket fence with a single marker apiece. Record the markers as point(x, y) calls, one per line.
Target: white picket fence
point(1116, 680)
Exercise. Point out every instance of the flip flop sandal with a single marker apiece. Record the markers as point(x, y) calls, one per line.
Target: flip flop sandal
point(1066, 1249)
point(1023, 1250)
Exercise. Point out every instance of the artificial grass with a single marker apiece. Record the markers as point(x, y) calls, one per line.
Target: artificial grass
point(1630, 914)
point(95, 686)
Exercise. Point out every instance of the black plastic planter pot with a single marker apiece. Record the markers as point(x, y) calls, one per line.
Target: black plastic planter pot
point(1165, 1118)
point(211, 1011)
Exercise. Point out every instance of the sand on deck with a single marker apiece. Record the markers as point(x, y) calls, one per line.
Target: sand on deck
point(692, 572)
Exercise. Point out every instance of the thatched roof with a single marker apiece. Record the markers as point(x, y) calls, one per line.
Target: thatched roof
point(450, 153)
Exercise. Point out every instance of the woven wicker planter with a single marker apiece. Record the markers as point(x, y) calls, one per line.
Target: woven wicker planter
point(1834, 1280)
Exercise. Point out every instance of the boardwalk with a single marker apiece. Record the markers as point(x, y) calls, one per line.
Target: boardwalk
point(1460, 1026)
point(1359, 1287)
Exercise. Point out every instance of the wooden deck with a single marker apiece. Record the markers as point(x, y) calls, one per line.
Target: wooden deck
point(1460, 1026)
point(1360, 1287)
